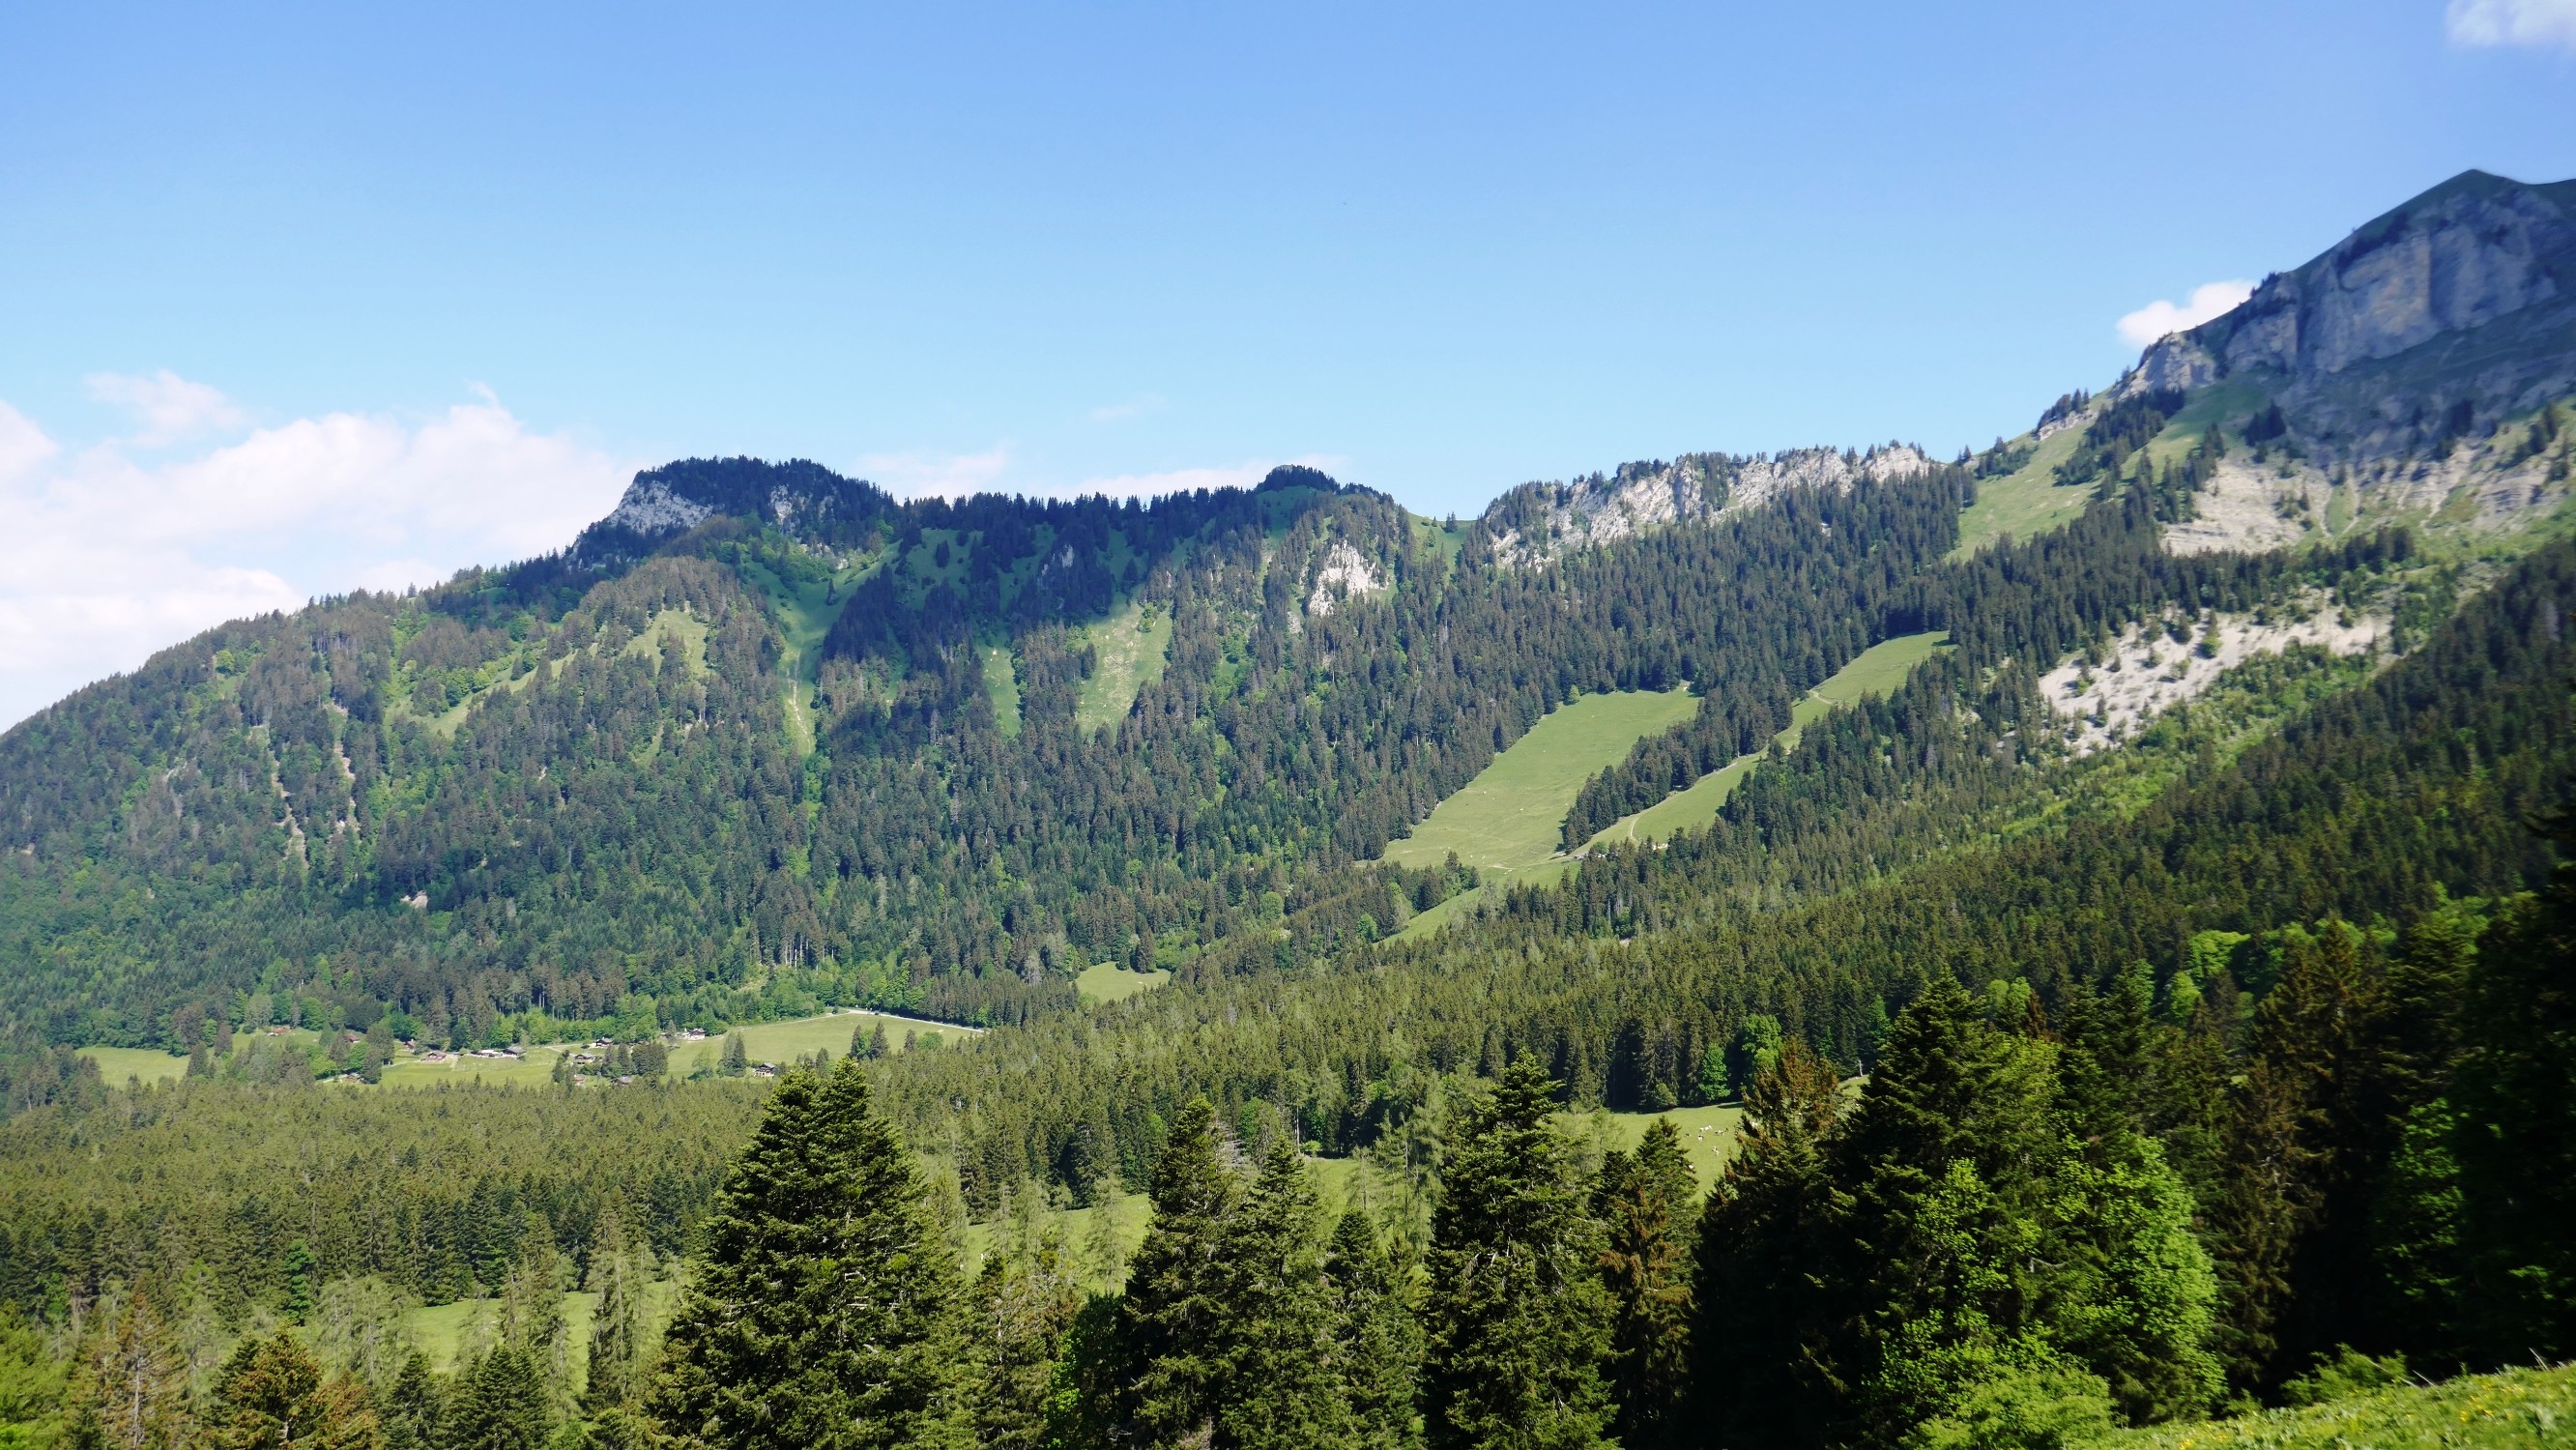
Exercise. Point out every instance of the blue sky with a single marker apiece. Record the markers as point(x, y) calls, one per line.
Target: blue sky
point(340, 296)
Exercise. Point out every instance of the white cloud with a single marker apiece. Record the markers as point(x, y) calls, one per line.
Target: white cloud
point(169, 407)
point(938, 475)
point(1186, 480)
point(23, 445)
point(104, 558)
point(2157, 318)
point(2537, 23)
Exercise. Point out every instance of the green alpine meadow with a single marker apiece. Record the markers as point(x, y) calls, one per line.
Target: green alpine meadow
point(2071, 943)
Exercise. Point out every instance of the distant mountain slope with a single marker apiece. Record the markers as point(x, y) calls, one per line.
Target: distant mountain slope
point(766, 738)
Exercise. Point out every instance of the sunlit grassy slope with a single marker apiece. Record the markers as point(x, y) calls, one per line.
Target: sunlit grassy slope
point(1880, 669)
point(1110, 982)
point(1505, 821)
point(116, 1064)
point(2510, 1411)
point(1508, 816)
point(1133, 645)
point(2026, 501)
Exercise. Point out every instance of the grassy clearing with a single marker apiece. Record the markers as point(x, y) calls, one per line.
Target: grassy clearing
point(2508, 1411)
point(1505, 822)
point(2024, 502)
point(1002, 686)
point(804, 612)
point(773, 1042)
point(1879, 670)
point(1509, 815)
point(1110, 982)
point(447, 1333)
point(116, 1064)
point(784, 1042)
point(1708, 1135)
point(1133, 644)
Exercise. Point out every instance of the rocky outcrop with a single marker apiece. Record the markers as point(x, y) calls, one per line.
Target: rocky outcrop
point(806, 499)
point(1537, 522)
point(2435, 321)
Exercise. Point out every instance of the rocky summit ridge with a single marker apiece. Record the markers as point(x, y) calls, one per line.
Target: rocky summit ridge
point(2436, 320)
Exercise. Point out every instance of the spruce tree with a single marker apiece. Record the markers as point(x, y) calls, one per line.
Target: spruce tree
point(500, 1403)
point(1945, 1159)
point(2308, 1139)
point(1760, 1348)
point(130, 1389)
point(1377, 1341)
point(1516, 1320)
point(1279, 1391)
point(619, 1348)
point(1643, 1203)
point(2515, 1093)
point(1171, 1322)
point(414, 1408)
point(273, 1395)
point(826, 1311)
point(1026, 1303)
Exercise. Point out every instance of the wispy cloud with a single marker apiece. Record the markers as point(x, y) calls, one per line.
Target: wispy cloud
point(1188, 480)
point(1136, 407)
point(2157, 318)
point(105, 557)
point(170, 408)
point(2541, 24)
point(939, 475)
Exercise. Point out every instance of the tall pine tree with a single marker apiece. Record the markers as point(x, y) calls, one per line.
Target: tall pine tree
point(1643, 1202)
point(827, 1309)
point(1171, 1365)
point(1517, 1323)
point(1763, 1368)
point(2515, 1091)
point(1377, 1344)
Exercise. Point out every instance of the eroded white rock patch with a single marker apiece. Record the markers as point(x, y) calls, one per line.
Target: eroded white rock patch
point(2150, 672)
point(1345, 575)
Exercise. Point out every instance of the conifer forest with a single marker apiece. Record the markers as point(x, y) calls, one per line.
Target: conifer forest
point(2081, 949)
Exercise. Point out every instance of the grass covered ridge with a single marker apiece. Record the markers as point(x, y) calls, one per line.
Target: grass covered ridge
point(2508, 1411)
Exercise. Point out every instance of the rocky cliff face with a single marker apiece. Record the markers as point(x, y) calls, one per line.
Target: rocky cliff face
point(2435, 321)
point(806, 499)
point(1536, 522)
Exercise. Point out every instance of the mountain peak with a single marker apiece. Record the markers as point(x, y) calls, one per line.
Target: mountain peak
point(2396, 303)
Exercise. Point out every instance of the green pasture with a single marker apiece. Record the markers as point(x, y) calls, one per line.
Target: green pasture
point(1110, 982)
point(1708, 1136)
point(2025, 502)
point(1002, 687)
point(116, 1064)
point(447, 1333)
point(1879, 670)
point(1505, 822)
point(1132, 645)
point(1508, 817)
point(783, 1042)
point(2510, 1411)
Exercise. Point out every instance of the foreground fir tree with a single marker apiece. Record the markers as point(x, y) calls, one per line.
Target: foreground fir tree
point(1763, 1367)
point(273, 1395)
point(1280, 1392)
point(1516, 1320)
point(1643, 1201)
point(826, 1312)
point(1377, 1348)
point(1025, 1303)
point(2515, 1093)
point(620, 1334)
point(501, 1403)
point(1170, 1370)
point(130, 1388)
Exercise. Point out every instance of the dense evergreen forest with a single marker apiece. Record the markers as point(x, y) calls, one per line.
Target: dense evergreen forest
point(2080, 1065)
